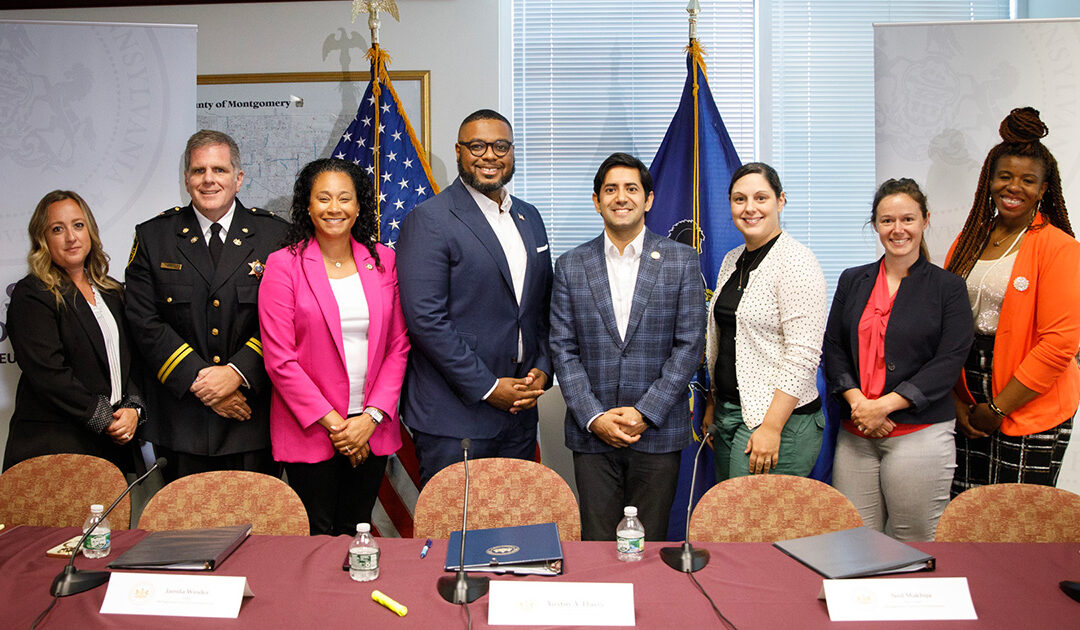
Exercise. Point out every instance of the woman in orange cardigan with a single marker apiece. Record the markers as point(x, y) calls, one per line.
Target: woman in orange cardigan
point(1021, 385)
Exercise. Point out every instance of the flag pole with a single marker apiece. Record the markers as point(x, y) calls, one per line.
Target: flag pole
point(694, 50)
point(378, 59)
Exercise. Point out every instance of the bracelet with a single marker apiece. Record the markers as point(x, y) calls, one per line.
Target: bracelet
point(997, 410)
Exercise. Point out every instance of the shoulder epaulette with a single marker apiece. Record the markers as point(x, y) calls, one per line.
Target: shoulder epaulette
point(262, 212)
point(168, 212)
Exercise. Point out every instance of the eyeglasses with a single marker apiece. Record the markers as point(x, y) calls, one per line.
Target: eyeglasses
point(478, 147)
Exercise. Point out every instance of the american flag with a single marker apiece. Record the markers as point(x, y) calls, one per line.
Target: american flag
point(381, 140)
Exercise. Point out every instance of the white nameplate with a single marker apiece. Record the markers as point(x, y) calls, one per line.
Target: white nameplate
point(560, 604)
point(175, 595)
point(893, 599)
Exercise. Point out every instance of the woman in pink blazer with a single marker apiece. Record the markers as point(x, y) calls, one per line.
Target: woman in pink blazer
point(335, 347)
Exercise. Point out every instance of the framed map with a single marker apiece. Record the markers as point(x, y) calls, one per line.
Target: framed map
point(282, 121)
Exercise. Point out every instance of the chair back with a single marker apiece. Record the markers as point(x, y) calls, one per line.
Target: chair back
point(503, 492)
point(58, 490)
point(227, 497)
point(768, 508)
point(1011, 512)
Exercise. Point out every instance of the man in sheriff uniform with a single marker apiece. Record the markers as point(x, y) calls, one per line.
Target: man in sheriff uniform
point(192, 291)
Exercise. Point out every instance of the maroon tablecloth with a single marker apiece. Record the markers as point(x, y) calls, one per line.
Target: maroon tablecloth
point(298, 583)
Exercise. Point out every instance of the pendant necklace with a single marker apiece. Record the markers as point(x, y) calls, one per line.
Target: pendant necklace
point(744, 273)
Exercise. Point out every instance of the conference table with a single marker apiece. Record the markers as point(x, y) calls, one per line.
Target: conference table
point(298, 583)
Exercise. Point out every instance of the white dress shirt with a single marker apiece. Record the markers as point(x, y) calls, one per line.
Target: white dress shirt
point(622, 271)
point(500, 218)
point(206, 225)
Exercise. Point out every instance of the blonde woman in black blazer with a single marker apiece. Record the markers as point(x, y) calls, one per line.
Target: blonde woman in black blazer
point(67, 328)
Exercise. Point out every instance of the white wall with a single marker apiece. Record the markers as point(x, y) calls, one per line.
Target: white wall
point(457, 40)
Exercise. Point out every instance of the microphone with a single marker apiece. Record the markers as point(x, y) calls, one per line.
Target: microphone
point(71, 581)
point(685, 558)
point(462, 589)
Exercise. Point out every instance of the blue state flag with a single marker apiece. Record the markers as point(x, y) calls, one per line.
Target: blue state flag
point(691, 173)
point(381, 140)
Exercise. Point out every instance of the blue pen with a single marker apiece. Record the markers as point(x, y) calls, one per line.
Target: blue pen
point(427, 546)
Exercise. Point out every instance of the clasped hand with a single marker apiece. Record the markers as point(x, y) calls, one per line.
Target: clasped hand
point(619, 427)
point(871, 417)
point(517, 394)
point(350, 437)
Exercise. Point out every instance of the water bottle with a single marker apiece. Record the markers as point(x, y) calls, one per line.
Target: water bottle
point(99, 543)
point(630, 536)
point(363, 555)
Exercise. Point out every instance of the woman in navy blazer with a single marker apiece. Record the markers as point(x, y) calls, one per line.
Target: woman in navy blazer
point(897, 337)
point(67, 328)
point(335, 347)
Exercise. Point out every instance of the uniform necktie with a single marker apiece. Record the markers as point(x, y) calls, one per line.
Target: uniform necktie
point(216, 244)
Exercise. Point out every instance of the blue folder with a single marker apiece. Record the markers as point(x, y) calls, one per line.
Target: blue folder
point(521, 550)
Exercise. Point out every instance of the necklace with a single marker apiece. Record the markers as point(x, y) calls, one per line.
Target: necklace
point(337, 263)
point(744, 273)
point(1001, 240)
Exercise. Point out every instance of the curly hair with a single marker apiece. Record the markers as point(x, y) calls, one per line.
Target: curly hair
point(40, 259)
point(364, 230)
point(1020, 132)
point(902, 186)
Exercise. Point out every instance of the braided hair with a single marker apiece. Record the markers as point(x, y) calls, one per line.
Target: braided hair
point(1020, 134)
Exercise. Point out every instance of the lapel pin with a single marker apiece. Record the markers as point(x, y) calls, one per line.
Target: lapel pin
point(1021, 283)
point(655, 255)
point(257, 268)
point(521, 217)
point(236, 242)
point(185, 230)
point(369, 266)
point(194, 239)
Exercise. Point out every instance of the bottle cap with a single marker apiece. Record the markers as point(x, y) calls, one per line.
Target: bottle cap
point(629, 511)
point(97, 508)
point(363, 528)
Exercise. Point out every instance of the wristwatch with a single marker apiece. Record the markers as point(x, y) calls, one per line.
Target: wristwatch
point(376, 415)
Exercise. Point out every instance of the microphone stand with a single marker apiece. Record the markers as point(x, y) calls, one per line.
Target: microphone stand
point(685, 558)
point(463, 589)
point(71, 581)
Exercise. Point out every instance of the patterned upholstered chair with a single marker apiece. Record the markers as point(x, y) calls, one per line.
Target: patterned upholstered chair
point(58, 490)
point(227, 497)
point(503, 492)
point(767, 508)
point(1011, 512)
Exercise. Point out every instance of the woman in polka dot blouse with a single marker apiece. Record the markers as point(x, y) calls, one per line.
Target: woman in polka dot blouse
point(763, 344)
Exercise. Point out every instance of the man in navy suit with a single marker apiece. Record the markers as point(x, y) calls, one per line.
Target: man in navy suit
point(474, 272)
point(627, 332)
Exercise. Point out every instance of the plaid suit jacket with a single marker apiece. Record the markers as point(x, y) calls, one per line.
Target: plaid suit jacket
point(649, 369)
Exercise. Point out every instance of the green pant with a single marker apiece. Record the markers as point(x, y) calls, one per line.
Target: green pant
point(800, 442)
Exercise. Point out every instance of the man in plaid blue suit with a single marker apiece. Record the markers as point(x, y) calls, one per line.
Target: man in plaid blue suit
point(627, 333)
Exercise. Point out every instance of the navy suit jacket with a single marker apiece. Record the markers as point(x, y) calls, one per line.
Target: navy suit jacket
point(649, 369)
point(462, 315)
point(926, 342)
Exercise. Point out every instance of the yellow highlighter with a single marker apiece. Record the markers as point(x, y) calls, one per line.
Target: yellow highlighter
point(383, 599)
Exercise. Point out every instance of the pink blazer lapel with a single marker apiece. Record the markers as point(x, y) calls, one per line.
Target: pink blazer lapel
point(319, 282)
point(372, 281)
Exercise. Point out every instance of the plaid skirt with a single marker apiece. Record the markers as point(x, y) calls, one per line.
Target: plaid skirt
point(1001, 458)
